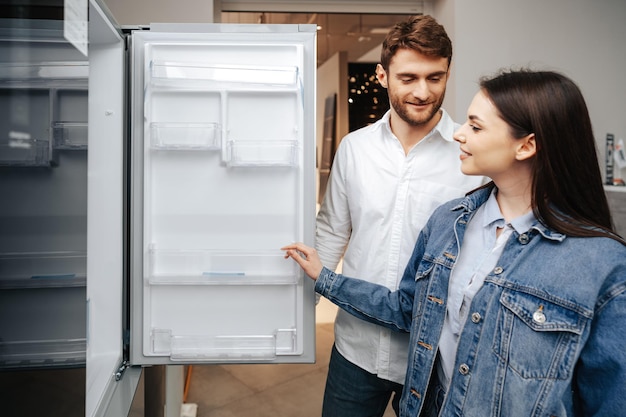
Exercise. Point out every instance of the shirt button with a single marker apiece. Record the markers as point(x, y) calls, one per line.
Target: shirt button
point(498, 270)
point(523, 239)
point(476, 317)
point(464, 369)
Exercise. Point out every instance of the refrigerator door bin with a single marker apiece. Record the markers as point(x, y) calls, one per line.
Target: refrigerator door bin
point(70, 136)
point(255, 348)
point(257, 153)
point(228, 348)
point(185, 136)
point(18, 151)
point(263, 128)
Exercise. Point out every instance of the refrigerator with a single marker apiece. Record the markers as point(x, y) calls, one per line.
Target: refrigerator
point(156, 179)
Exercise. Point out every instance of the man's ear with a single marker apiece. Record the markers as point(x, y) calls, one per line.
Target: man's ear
point(381, 74)
point(527, 147)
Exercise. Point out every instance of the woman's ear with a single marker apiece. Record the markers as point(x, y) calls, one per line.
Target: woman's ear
point(527, 147)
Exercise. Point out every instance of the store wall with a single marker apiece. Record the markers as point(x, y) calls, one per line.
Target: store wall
point(584, 39)
point(144, 12)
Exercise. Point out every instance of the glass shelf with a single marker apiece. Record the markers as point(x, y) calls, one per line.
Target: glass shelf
point(43, 353)
point(43, 270)
point(164, 73)
point(207, 267)
point(44, 73)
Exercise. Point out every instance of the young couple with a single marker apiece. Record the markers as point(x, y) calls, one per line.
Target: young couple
point(513, 296)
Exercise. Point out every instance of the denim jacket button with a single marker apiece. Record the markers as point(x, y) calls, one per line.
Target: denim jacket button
point(498, 270)
point(476, 317)
point(539, 317)
point(523, 239)
point(464, 369)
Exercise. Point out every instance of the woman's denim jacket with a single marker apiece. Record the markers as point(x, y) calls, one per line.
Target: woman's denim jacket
point(545, 335)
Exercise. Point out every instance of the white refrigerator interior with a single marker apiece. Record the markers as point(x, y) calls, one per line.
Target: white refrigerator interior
point(224, 157)
point(218, 173)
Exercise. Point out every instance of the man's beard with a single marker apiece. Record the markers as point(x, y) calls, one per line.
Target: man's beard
point(400, 108)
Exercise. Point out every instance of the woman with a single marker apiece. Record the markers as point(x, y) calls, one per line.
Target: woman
point(515, 296)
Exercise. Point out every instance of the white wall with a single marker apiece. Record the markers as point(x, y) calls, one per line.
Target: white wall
point(329, 82)
point(584, 39)
point(144, 12)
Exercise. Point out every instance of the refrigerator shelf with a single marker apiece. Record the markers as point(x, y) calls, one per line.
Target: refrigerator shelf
point(199, 267)
point(185, 136)
point(173, 73)
point(45, 73)
point(42, 270)
point(43, 353)
point(222, 278)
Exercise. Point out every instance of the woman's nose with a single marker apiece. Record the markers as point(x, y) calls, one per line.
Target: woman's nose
point(458, 136)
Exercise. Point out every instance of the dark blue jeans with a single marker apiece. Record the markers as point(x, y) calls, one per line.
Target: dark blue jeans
point(434, 398)
point(353, 392)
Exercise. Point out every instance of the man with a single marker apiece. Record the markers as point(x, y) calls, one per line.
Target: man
point(386, 180)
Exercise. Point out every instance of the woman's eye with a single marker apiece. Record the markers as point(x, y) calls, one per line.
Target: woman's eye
point(475, 128)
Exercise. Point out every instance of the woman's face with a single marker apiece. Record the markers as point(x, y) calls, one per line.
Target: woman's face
point(487, 146)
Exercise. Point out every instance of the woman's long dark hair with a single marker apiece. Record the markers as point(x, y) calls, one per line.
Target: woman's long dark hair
point(567, 191)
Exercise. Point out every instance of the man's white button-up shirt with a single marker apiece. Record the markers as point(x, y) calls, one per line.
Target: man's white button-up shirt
point(377, 200)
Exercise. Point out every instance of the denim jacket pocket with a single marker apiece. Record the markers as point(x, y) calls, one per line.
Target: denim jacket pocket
point(537, 338)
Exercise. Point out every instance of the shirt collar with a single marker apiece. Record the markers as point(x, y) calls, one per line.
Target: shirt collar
point(492, 214)
point(474, 200)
